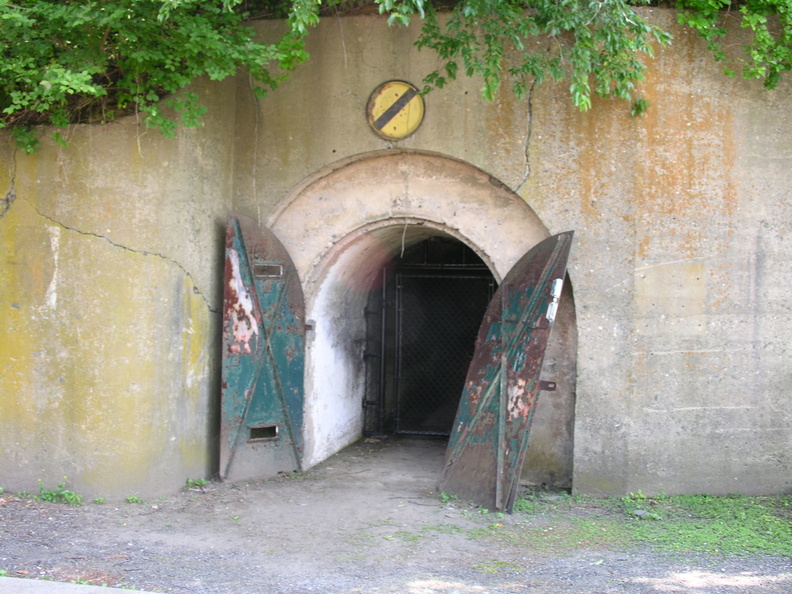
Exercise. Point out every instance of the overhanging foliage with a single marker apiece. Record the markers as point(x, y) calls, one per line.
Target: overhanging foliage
point(66, 61)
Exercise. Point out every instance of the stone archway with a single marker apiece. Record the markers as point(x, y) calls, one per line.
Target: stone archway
point(344, 223)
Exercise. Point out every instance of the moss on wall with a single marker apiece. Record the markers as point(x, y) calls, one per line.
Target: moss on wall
point(109, 258)
point(111, 255)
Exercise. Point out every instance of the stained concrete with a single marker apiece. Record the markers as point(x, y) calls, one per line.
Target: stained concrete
point(109, 308)
point(678, 358)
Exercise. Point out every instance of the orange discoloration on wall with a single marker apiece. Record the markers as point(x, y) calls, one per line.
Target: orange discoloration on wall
point(643, 248)
point(597, 148)
point(680, 176)
point(687, 156)
point(587, 162)
point(720, 285)
point(109, 257)
point(500, 126)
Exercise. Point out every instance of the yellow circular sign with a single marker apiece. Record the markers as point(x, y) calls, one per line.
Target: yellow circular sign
point(395, 109)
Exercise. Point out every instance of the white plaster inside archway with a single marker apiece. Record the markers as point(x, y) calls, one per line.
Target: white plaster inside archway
point(343, 224)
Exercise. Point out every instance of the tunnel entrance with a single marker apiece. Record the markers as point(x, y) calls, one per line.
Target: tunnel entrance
point(345, 224)
point(421, 327)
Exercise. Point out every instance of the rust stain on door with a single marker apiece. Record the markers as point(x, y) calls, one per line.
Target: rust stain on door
point(489, 439)
point(263, 355)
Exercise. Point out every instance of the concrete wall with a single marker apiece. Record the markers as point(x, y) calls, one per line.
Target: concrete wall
point(110, 264)
point(109, 293)
point(681, 278)
point(681, 256)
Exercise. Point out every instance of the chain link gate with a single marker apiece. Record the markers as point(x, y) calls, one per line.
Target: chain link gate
point(421, 327)
point(438, 317)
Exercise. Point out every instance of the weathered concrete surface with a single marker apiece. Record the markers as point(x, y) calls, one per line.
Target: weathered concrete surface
point(109, 251)
point(680, 278)
point(110, 265)
point(318, 118)
point(681, 255)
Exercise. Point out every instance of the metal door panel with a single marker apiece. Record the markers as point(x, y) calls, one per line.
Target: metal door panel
point(489, 438)
point(263, 355)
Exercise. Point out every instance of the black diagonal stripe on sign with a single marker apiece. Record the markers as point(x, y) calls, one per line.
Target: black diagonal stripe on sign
point(398, 105)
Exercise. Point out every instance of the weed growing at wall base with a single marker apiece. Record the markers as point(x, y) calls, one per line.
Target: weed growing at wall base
point(58, 495)
point(195, 484)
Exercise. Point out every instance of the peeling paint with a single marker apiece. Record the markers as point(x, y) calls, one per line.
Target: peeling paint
point(517, 405)
point(240, 307)
point(261, 402)
point(487, 447)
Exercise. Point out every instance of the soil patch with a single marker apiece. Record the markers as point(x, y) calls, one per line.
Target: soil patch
point(367, 520)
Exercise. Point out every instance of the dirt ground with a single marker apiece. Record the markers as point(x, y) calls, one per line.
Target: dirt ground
point(366, 520)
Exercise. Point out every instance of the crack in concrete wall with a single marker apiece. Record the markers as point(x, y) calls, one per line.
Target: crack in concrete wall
point(528, 137)
point(10, 196)
point(196, 290)
point(7, 201)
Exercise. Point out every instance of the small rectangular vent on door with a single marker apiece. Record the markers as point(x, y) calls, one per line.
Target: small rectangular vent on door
point(267, 270)
point(263, 432)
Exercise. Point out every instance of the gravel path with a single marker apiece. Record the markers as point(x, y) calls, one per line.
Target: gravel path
point(366, 520)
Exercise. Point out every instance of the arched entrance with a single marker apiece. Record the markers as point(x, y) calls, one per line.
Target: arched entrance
point(346, 224)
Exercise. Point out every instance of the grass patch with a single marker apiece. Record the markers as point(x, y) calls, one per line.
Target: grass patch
point(558, 534)
point(443, 528)
point(405, 536)
point(730, 525)
point(494, 567)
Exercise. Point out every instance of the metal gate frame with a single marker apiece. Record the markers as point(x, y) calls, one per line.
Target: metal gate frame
point(383, 316)
point(424, 272)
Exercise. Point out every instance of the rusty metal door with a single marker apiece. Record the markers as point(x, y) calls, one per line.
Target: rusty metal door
point(263, 355)
point(489, 439)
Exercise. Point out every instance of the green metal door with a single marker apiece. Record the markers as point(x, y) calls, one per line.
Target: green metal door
point(489, 439)
point(263, 355)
